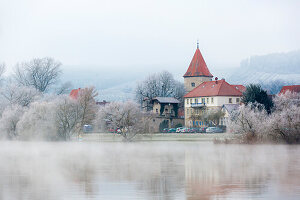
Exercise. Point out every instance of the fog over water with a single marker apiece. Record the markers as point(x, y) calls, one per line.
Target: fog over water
point(148, 170)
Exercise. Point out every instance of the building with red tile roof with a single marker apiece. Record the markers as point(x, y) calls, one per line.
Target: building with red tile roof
point(74, 93)
point(197, 72)
point(210, 96)
point(240, 87)
point(214, 88)
point(291, 88)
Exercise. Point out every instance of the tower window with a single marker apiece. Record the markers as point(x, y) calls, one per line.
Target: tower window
point(193, 84)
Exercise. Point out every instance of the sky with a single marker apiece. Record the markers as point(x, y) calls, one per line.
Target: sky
point(140, 35)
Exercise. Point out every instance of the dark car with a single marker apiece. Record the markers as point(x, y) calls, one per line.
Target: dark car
point(193, 130)
point(172, 130)
point(202, 130)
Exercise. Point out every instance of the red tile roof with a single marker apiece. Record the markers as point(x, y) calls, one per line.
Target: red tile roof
point(214, 88)
point(291, 88)
point(74, 93)
point(197, 66)
point(240, 88)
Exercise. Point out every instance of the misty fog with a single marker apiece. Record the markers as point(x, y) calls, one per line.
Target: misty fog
point(156, 170)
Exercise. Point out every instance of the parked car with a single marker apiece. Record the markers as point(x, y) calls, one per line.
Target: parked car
point(172, 130)
point(214, 130)
point(193, 130)
point(179, 129)
point(202, 130)
point(165, 130)
point(87, 128)
point(185, 130)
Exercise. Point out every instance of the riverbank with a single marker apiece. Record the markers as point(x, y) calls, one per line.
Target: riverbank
point(111, 137)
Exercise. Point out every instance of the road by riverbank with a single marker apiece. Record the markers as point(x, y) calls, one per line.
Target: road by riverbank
point(111, 137)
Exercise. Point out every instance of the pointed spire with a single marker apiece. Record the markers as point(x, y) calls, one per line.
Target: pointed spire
point(198, 66)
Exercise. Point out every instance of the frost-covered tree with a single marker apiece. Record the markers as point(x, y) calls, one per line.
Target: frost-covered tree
point(124, 115)
point(64, 88)
point(21, 95)
point(38, 122)
point(160, 85)
point(68, 115)
point(249, 121)
point(285, 120)
point(87, 105)
point(40, 73)
point(9, 120)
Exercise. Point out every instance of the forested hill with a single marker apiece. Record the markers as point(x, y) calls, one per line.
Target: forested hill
point(276, 66)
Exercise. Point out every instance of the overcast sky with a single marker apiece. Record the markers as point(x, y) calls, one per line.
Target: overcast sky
point(137, 34)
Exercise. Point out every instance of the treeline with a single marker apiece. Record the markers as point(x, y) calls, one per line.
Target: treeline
point(33, 105)
point(264, 119)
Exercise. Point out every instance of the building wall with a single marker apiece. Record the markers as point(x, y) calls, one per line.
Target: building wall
point(157, 107)
point(197, 80)
point(218, 102)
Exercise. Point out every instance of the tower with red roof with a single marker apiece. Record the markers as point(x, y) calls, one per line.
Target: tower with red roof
point(197, 72)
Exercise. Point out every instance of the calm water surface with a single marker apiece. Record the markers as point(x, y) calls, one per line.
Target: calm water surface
point(149, 170)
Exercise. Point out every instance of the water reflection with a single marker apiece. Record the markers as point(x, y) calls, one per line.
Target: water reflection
point(154, 170)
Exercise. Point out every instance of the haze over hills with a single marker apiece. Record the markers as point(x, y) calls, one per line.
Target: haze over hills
point(265, 68)
point(120, 85)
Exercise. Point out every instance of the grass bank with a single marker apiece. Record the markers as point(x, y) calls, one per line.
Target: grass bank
point(110, 137)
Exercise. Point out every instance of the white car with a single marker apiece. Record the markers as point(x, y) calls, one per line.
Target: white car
point(179, 130)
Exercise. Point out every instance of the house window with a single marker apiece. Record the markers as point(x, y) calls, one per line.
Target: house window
point(212, 100)
point(238, 100)
point(193, 84)
point(207, 100)
point(230, 100)
point(196, 100)
point(203, 100)
point(187, 101)
point(197, 123)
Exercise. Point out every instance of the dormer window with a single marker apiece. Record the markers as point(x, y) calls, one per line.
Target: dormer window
point(193, 84)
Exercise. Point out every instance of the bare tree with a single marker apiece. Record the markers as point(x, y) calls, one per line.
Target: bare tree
point(21, 95)
point(64, 88)
point(40, 73)
point(9, 120)
point(127, 117)
point(68, 116)
point(87, 105)
point(160, 85)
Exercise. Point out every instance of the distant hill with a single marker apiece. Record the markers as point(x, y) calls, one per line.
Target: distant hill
point(268, 70)
point(271, 67)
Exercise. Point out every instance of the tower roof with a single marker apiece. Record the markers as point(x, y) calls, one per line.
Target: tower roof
point(197, 66)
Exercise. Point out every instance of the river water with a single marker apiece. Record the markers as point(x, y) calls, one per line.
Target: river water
point(148, 170)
